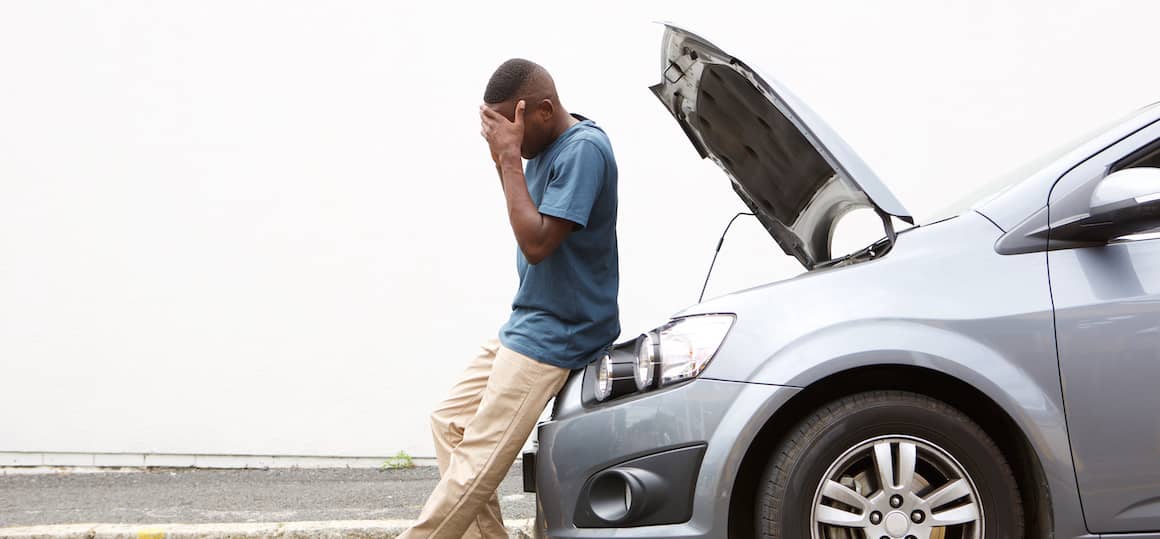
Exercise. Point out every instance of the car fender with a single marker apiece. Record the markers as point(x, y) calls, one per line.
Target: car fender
point(942, 300)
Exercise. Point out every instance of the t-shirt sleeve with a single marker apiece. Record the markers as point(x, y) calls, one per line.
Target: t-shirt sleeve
point(576, 179)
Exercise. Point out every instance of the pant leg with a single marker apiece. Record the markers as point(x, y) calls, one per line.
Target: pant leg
point(450, 416)
point(447, 423)
point(516, 393)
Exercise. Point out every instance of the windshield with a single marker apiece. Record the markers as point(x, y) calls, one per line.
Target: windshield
point(997, 186)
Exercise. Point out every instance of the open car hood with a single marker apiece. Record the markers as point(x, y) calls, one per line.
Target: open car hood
point(796, 175)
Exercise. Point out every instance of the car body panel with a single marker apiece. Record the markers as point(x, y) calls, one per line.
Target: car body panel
point(796, 174)
point(1108, 319)
point(1107, 312)
point(968, 311)
point(727, 415)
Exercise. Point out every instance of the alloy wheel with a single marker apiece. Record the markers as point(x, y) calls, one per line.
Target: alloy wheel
point(896, 487)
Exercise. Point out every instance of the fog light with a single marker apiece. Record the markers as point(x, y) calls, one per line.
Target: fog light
point(611, 497)
point(620, 496)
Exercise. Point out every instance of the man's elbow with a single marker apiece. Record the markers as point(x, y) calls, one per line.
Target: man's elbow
point(535, 254)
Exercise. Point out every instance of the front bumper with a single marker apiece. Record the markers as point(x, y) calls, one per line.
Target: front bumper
point(580, 444)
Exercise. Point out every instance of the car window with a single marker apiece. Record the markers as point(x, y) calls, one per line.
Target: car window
point(1148, 156)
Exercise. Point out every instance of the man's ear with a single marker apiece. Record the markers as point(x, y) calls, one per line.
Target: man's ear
point(545, 110)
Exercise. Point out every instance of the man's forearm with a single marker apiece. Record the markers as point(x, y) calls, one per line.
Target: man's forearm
point(526, 220)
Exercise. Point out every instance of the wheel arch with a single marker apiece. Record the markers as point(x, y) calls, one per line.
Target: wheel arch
point(1012, 440)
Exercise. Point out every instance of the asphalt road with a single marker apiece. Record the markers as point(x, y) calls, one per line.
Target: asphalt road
point(203, 496)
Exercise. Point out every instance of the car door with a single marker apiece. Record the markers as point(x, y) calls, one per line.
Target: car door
point(1107, 320)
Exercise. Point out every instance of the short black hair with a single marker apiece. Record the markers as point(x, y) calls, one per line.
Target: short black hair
point(508, 78)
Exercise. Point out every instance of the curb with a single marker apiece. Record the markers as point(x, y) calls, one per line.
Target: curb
point(335, 529)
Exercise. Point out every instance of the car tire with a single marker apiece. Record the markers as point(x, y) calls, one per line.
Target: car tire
point(841, 444)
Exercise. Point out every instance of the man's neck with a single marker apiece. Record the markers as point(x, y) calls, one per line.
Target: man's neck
point(566, 121)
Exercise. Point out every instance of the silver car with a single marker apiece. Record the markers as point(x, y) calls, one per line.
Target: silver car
point(992, 374)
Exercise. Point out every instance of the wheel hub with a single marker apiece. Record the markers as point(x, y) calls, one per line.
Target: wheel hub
point(897, 524)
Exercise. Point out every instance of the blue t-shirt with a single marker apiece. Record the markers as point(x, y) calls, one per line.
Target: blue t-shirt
point(565, 310)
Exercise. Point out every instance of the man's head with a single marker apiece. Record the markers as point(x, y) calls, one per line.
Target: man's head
point(518, 79)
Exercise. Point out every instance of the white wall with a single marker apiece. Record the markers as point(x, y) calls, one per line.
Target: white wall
point(250, 227)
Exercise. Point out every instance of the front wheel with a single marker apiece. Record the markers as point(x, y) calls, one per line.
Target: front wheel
point(888, 465)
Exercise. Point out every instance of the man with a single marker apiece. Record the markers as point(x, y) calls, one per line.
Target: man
point(562, 210)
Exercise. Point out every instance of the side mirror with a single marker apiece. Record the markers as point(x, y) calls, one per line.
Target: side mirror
point(1125, 202)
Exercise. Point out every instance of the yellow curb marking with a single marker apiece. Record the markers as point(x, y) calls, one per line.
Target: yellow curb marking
point(151, 533)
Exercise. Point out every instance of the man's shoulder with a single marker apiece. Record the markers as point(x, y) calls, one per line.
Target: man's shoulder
point(588, 137)
point(592, 133)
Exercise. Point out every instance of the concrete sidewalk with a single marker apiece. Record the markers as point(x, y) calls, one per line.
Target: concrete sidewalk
point(195, 503)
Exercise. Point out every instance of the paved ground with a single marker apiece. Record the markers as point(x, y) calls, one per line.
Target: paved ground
point(209, 496)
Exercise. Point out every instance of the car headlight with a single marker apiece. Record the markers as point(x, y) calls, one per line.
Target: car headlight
point(613, 378)
point(604, 378)
point(645, 365)
point(673, 353)
point(688, 344)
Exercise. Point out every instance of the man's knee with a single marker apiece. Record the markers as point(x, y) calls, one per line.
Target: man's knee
point(444, 424)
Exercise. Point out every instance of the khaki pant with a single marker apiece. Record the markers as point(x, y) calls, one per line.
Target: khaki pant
point(479, 430)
